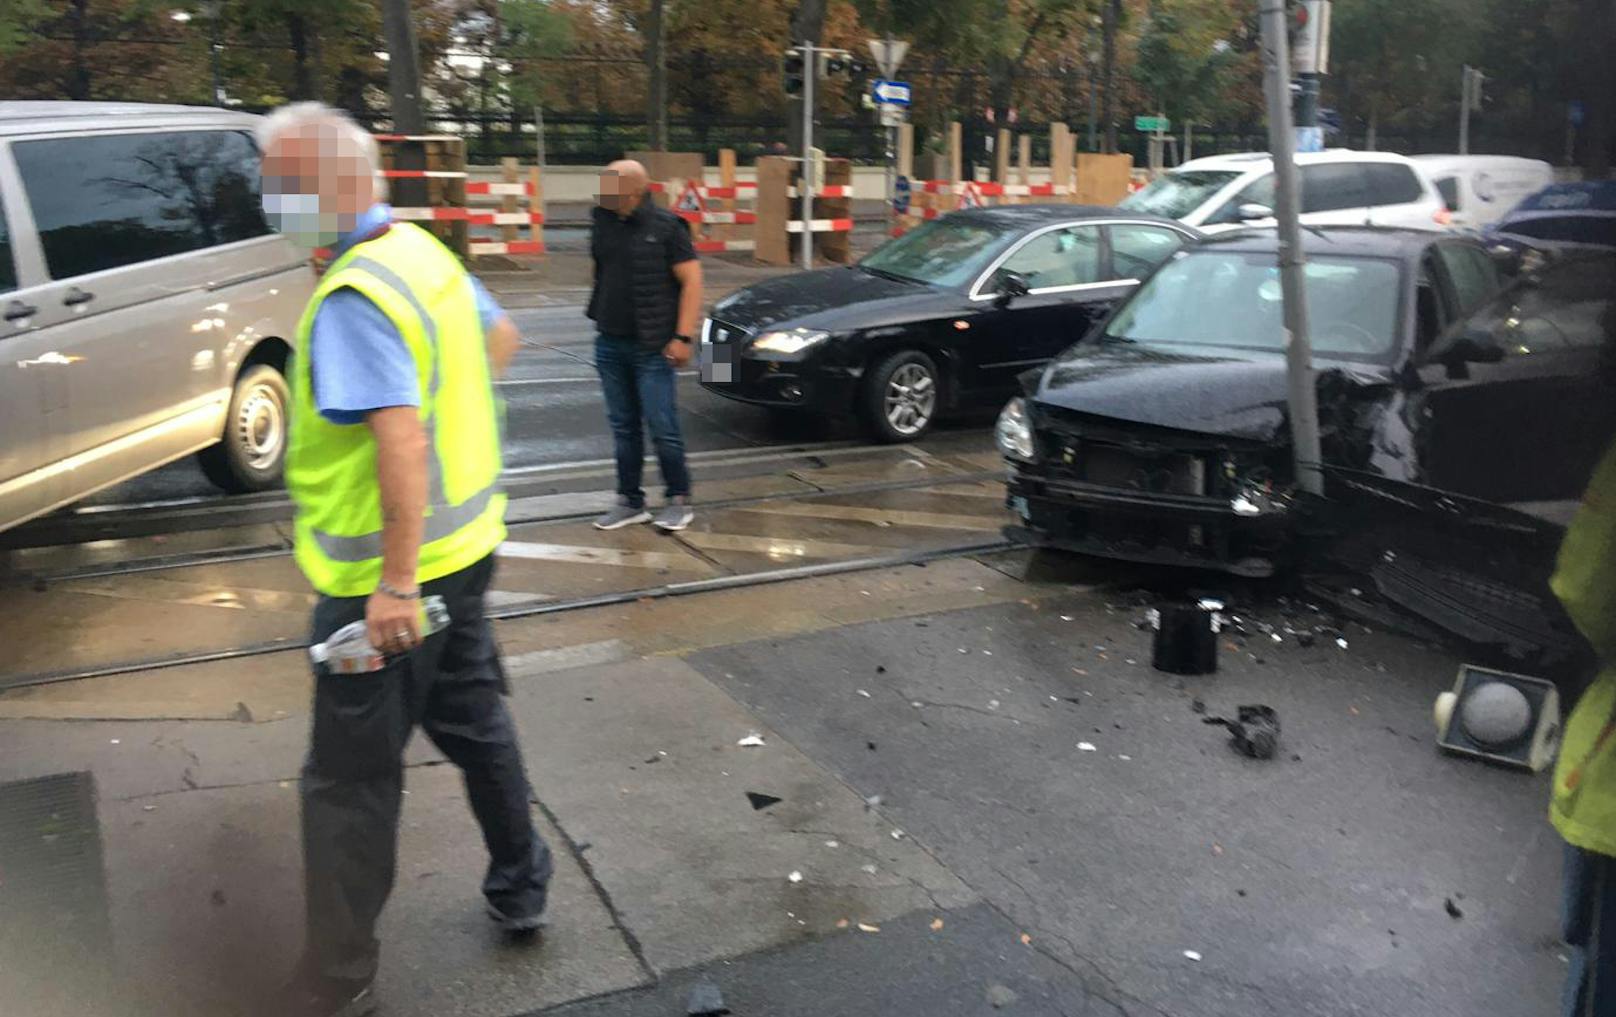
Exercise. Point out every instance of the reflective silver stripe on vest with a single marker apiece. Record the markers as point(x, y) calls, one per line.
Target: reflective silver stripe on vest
point(443, 522)
point(445, 518)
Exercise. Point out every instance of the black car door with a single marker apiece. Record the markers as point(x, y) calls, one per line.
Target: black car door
point(1523, 431)
point(1065, 272)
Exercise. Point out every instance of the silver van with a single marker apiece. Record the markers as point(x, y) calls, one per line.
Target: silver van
point(146, 308)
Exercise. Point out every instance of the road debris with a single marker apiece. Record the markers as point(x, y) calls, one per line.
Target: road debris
point(842, 923)
point(1255, 731)
point(864, 692)
point(1452, 909)
point(1341, 642)
point(705, 1001)
point(752, 740)
point(880, 669)
point(1186, 639)
point(1026, 940)
point(936, 925)
point(795, 877)
point(897, 835)
point(868, 870)
point(1000, 996)
point(761, 801)
point(1086, 747)
point(1193, 955)
point(867, 927)
point(1217, 849)
point(833, 843)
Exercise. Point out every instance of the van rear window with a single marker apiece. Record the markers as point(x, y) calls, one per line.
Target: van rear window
point(1448, 187)
point(109, 200)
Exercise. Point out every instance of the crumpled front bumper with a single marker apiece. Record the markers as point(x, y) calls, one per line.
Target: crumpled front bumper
point(1144, 526)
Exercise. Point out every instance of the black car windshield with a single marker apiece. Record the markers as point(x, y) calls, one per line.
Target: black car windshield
point(1232, 298)
point(943, 252)
point(1176, 195)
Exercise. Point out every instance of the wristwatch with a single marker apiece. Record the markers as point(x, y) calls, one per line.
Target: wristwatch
point(396, 593)
point(684, 339)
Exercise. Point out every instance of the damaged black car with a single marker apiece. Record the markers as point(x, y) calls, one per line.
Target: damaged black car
point(1461, 414)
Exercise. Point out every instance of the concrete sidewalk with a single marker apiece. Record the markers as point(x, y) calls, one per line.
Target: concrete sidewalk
point(988, 803)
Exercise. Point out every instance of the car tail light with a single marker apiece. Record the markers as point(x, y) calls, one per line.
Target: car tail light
point(1443, 217)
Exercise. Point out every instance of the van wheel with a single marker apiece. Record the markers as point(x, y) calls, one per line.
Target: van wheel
point(900, 397)
point(251, 455)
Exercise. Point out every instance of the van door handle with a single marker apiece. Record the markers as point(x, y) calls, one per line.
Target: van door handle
point(76, 296)
point(19, 311)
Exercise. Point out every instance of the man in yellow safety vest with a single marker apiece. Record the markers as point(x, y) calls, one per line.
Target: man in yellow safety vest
point(394, 467)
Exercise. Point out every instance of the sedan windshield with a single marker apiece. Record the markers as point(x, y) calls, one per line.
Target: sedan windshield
point(1176, 195)
point(1229, 298)
point(943, 252)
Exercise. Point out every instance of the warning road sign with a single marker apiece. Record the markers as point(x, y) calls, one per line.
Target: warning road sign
point(970, 197)
point(690, 199)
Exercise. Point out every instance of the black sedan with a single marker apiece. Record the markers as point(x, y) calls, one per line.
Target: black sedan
point(1461, 417)
point(940, 319)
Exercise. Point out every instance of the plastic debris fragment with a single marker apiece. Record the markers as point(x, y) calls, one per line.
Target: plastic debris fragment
point(752, 740)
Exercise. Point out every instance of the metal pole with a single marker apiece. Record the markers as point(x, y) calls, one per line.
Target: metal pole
point(1464, 111)
point(892, 178)
point(538, 129)
point(810, 73)
point(214, 46)
point(1304, 410)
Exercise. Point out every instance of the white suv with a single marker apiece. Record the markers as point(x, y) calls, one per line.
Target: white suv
point(1339, 187)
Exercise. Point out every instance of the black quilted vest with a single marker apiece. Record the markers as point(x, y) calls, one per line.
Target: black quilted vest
point(656, 289)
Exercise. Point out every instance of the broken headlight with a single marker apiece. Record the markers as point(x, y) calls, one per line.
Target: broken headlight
point(1013, 432)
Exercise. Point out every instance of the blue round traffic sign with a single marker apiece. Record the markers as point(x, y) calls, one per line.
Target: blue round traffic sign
point(900, 196)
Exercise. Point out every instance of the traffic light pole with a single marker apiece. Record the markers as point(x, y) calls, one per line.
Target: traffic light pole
point(805, 188)
point(1303, 398)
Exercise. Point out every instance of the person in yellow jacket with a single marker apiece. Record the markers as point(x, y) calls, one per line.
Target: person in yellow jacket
point(394, 467)
point(1583, 807)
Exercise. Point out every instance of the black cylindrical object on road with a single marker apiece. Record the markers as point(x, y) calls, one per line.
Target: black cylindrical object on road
point(1186, 640)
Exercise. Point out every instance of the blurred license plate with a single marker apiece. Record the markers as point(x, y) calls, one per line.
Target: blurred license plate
point(717, 363)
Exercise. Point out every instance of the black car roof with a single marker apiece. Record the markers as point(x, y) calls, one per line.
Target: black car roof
point(1362, 241)
point(1039, 215)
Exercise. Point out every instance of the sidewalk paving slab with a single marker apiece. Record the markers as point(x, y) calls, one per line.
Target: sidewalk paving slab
point(908, 969)
point(695, 872)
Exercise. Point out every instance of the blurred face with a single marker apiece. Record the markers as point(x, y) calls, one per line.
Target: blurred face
point(614, 193)
point(316, 184)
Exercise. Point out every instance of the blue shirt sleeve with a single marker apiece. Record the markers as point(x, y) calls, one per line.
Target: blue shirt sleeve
point(359, 361)
point(488, 308)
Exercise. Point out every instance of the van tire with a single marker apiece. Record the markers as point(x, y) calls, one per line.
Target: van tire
point(251, 454)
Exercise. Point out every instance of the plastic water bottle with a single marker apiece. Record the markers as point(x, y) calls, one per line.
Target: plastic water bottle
point(348, 650)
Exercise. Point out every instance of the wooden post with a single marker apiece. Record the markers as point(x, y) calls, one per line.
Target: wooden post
point(509, 173)
point(726, 178)
point(1001, 156)
point(1060, 160)
point(775, 174)
point(1024, 166)
point(535, 204)
point(836, 247)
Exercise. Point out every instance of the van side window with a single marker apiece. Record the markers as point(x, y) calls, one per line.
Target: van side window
point(8, 268)
point(1329, 186)
point(1449, 188)
point(1392, 183)
point(110, 200)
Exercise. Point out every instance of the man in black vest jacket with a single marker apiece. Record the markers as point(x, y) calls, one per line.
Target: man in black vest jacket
point(646, 303)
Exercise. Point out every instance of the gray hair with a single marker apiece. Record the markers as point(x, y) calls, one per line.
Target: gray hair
point(301, 117)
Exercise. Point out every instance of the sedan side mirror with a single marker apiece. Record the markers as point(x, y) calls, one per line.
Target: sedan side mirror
point(1011, 285)
point(1473, 346)
point(1251, 211)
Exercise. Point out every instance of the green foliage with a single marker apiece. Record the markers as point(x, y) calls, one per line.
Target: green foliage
point(533, 30)
point(1186, 57)
point(20, 19)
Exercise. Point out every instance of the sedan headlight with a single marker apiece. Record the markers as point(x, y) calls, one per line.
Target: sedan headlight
point(1013, 432)
point(789, 343)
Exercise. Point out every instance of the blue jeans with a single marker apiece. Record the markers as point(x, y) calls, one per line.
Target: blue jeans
point(1589, 911)
point(639, 386)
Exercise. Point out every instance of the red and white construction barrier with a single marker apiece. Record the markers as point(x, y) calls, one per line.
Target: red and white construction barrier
point(501, 247)
point(821, 225)
point(828, 191)
point(990, 190)
point(658, 187)
point(398, 174)
point(474, 216)
point(514, 190)
point(719, 218)
point(723, 246)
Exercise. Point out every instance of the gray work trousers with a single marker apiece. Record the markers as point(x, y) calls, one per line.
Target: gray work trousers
point(453, 687)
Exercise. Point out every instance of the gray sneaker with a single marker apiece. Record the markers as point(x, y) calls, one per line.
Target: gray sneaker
point(675, 515)
point(622, 514)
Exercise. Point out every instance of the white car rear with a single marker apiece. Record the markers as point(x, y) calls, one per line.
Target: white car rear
point(1339, 188)
point(1480, 189)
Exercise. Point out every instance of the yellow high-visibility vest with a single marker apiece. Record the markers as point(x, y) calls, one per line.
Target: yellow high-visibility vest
point(331, 468)
point(1583, 807)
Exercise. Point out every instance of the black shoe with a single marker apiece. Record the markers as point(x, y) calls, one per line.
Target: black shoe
point(519, 925)
point(324, 997)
